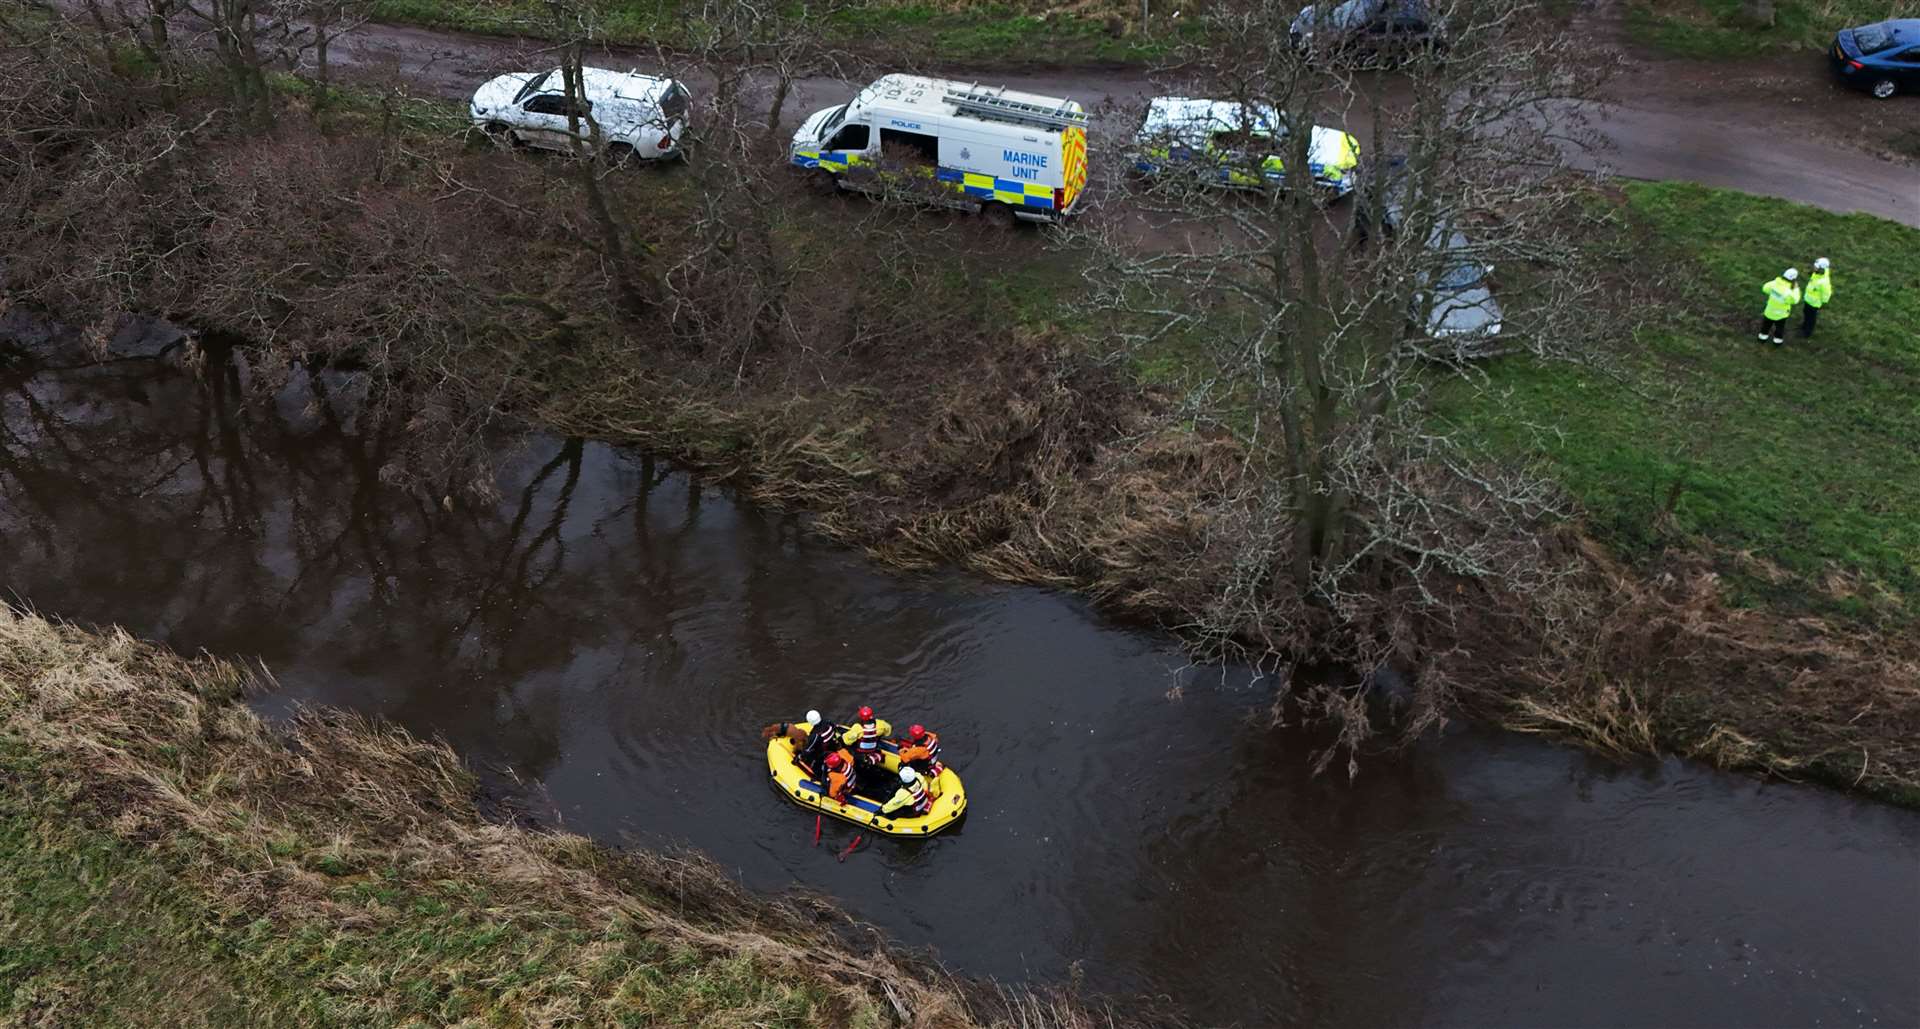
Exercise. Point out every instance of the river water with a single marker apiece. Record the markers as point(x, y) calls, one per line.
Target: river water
point(612, 633)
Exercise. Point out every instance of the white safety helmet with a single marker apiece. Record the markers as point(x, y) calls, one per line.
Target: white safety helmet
point(908, 775)
point(1820, 265)
point(1792, 274)
point(813, 718)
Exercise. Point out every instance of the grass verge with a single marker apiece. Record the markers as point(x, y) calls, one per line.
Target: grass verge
point(1721, 29)
point(1757, 570)
point(1013, 33)
point(171, 860)
point(1798, 466)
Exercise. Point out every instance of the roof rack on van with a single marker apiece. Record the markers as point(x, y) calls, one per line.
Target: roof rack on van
point(974, 100)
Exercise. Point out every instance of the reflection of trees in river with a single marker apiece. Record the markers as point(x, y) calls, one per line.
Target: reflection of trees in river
point(187, 506)
point(169, 502)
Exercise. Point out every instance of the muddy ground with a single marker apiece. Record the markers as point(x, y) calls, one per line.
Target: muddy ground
point(1774, 126)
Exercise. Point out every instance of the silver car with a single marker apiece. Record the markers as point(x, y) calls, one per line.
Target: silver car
point(1460, 309)
point(639, 116)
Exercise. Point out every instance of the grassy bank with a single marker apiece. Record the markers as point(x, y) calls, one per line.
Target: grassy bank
point(169, 860)
point(1798, 466)
point(1770, 489)
point(1720, 30)
point(1004, 33)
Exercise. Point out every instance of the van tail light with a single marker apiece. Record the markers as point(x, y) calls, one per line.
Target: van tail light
point(1059, 199)
point(666, 142)
point(1853, 66)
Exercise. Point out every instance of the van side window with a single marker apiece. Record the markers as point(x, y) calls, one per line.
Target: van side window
point(554, 103)
point(1240, 140)
point(912, 145)
point(850, 137)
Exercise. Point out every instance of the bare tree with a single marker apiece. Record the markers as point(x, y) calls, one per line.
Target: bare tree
point(766, 46)
point(147, 23)
point(751, 52)
point(1312, 344)
point(593, 156)
point(239, 29)
point(314, 26)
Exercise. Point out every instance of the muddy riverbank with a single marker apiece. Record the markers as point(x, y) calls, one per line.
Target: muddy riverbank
point(950, 411)
point(609, 632)
point(172, 860)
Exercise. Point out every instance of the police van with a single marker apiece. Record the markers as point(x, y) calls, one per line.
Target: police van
point(1239, 145)
point(1004, 153)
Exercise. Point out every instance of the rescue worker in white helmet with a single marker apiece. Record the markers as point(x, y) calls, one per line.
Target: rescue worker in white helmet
point(823, 737)
point(1819, 292)
point(1782, 294)
point(811, 740)
point(911, 798)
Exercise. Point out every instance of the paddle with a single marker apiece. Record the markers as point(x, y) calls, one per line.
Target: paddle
point(816, 830)
point(856, 842)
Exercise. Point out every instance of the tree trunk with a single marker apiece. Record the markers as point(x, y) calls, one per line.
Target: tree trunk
point(613, 236)
point(781, 87)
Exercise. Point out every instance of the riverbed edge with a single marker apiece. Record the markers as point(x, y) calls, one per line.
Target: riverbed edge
point(338, 870)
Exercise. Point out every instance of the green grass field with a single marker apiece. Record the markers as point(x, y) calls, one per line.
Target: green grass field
point(1717, 29)
point(1806, 458)
point(988, 33)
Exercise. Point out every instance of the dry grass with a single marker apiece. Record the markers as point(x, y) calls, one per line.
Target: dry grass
point(338, 872)
point(1635, 663)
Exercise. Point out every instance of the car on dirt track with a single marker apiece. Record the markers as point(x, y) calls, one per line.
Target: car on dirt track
point(1385, 30)
point(1882, 58)
point(1454, 309)
point(638, 116)
point(1222, 142)
point(1456, 301)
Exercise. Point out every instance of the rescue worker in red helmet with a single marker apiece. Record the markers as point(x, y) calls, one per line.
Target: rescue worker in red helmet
point(911, 800)
point(839, 776)
point(921, 749)
point(863, 738)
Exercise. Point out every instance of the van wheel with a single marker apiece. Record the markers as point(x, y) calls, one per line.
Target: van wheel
point(824, 183)
point(620, 154)
point(999, 215)
point(1883, 89)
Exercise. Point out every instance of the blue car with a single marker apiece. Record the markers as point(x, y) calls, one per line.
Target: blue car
point(1882, 58)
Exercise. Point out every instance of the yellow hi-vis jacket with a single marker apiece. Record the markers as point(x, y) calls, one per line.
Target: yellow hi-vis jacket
point(1819, 289)
point(865, 737)
point(1781, 296)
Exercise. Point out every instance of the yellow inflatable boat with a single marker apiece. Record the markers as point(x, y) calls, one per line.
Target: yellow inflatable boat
point(949, 804)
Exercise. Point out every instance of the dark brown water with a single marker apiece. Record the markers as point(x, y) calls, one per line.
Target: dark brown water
point(612, 632)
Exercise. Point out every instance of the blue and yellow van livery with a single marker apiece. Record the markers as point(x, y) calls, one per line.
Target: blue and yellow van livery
point(1234, 144)
point(992, 149)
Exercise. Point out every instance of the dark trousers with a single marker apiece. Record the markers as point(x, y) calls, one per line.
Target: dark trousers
point(1775, 328)
point(1807, 320)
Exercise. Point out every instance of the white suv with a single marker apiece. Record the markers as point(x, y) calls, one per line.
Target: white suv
point(639, 116)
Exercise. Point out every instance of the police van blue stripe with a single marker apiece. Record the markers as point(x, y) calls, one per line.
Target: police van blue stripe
point(956, 177)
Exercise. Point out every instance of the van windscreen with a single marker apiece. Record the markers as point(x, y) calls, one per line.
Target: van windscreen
point(833, 121)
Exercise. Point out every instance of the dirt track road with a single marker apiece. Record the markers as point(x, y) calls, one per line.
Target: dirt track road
point(1673, 130)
